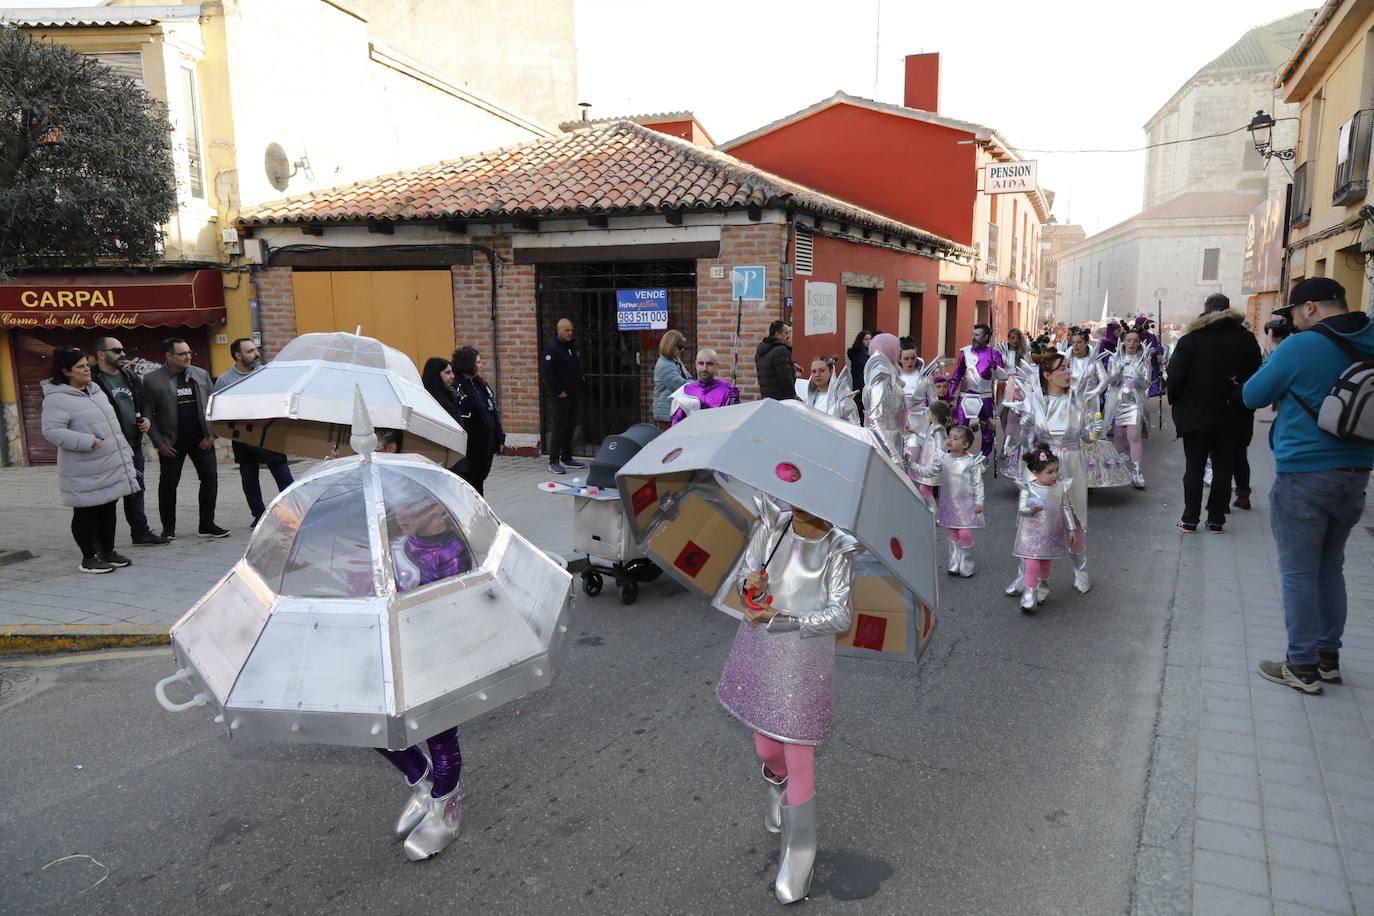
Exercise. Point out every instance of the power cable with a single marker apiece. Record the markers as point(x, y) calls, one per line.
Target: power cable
point(1141, 149)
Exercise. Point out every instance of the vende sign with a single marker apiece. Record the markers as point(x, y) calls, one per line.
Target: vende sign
point(1009, 177)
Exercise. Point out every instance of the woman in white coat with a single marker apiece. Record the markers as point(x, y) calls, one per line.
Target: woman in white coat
point(95, 468)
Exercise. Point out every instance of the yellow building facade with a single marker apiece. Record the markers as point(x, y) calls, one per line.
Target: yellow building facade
point(1329, 76)
point(266, 100)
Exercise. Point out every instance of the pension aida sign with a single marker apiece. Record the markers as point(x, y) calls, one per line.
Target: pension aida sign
point(641, 309)
point(1010, 177)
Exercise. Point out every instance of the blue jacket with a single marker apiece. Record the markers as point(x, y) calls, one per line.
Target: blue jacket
point(1308, 365)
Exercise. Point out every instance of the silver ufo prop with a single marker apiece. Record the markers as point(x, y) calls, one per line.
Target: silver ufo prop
point(301, 403)
point(324, 632)
point(689, 497)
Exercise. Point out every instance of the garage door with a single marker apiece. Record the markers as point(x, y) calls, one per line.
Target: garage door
point(853, 315)
point(411, 310)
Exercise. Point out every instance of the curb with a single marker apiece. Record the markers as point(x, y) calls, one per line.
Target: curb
point(31, 639)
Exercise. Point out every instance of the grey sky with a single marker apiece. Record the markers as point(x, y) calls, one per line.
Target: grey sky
point(1052, 75)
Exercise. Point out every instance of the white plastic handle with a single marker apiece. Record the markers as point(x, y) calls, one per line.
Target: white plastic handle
point(160, 691)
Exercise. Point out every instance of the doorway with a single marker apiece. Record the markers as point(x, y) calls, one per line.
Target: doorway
point(617, 366)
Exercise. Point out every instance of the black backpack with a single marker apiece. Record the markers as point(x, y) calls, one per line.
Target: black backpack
point(1348, 411)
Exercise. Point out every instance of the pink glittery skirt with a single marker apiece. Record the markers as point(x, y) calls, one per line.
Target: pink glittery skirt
point(1043, 536)
point(779, 684)
point(957, 511)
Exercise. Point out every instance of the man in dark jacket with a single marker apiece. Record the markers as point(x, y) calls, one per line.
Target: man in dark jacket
point(562, 370)
point(773, 363)
point(1213, 359)
point(176, 396)
point(126, 395)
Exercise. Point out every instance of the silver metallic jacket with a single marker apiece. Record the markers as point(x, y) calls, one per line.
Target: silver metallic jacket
point(956, 477)
point(1089, 378)
point(974, 383)
point(837, 400)
point(924, 446)
point(1128, 378)
point(1048, 499)
point(810, 579)
point(885, 408)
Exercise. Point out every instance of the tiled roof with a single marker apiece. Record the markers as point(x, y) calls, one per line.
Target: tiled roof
point(1062, 231)
point(85, 17)
point(613, 169)
point(658, 117)
point(1262, 48)
point(1202, 205)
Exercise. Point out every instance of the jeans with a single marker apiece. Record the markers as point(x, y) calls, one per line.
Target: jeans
point(1311, 514)
point(564, 418)
point(1197, 448)
point(93, 529)
point(203, 459)
point(134, 512)
point(250, 460)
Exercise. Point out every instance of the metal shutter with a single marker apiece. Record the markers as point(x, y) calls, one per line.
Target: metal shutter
point(125, 63)
point(904, 315)
point(853, 315)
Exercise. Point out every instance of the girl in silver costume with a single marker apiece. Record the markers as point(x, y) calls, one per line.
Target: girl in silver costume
point(828, 391)
point(1054, 413)
point(1048, 525)
point(1014, 352)
point(1102, 466)
point(923, 446)
point(960, 474)
point(777, 680)
point(884, 403)
point(1128, 376)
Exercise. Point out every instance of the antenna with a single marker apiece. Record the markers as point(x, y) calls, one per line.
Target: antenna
point(877, 40)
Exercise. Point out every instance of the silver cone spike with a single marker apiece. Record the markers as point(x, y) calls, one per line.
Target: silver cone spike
point(364, 439)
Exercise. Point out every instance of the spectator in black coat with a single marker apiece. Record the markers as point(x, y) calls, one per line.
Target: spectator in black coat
point(1213, 359)
point(562, 371)
point(773, 362)
point(437, 377)
point(478, 414)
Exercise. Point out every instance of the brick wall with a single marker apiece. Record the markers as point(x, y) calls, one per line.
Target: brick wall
point(717, 311)
point(276, 308)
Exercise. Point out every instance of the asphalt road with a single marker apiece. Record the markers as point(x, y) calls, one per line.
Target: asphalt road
point(1004, 774)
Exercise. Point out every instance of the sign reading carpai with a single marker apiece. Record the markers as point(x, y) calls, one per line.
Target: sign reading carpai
point(67, 298)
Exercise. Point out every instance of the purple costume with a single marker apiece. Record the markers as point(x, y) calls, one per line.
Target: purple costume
point(777, 679)
point(697, 395)
point(973, 375)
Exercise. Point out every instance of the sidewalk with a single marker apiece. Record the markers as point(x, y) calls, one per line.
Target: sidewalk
point(1261, 800)
point(46, 604)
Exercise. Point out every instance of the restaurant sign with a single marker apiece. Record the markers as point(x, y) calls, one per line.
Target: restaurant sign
point(112, 300)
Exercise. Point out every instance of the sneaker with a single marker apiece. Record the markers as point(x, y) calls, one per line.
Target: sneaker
point(213, 531)
point(150, 540)
point(556, 468)
point(95, 565)
point(1189, 527)
point(116, 559)
point(1329, 666)
point(169, 534)
point(1299, 677)
point(573, 465)
point(1214, 527)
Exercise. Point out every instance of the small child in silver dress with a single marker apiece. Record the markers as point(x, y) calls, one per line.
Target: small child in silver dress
point(1048, 524)
point(960, 475)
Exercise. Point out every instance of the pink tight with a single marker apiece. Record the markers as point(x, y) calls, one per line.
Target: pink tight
point(927, 491)
point(1035, 571)
point(1128, 436)
point(961, 536)
point(794, 762)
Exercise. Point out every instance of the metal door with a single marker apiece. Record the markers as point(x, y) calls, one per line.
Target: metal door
point(618, 366)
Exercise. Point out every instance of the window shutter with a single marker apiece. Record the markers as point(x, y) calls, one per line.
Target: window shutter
point(803, 252)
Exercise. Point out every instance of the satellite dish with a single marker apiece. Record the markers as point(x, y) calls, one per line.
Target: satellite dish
point(277, 166)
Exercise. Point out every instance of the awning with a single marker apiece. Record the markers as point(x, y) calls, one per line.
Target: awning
point(182, 298)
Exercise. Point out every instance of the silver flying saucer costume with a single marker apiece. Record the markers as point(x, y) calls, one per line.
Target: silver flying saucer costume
point(885, 408)
point(837, 400)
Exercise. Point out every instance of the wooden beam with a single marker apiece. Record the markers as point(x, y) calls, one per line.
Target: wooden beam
point(456, 226)
point(380, 228)
point(312, 230)
point(599, 222)
point(673, 217)
point(529, 225)
point(755, 213)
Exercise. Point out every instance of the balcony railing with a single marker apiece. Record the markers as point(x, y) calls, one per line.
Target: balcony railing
point(1301, 209)
point(1352, 172)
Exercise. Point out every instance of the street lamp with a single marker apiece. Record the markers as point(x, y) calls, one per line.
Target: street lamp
point(1261, 132)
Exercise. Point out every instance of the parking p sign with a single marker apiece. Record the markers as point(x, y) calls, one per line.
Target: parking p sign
point(641, 309)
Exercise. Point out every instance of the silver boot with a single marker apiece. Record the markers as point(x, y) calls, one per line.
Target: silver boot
point(798, 851)
point(956, 558)
point(417, 806)
point(1042, 592)
point(439, 827)
point(772, 815)
point(1028, 599)
point(966, 561)
point(1080, 572)
point(1137, 475)
point(1014, 588)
